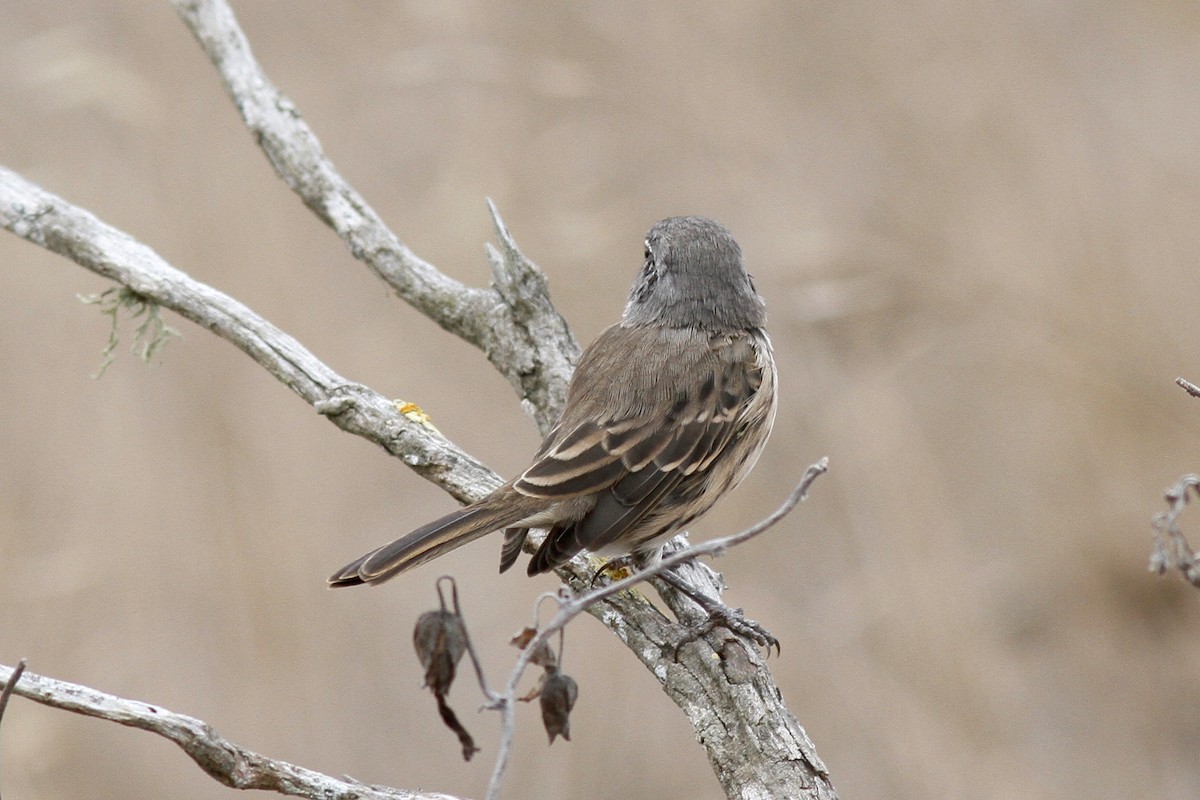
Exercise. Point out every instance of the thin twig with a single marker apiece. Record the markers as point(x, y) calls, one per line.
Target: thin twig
point(506, 704)
point(475, 662)
point(713, 547)
point(1188, 387)
point(1171, 548)
point(569, 608)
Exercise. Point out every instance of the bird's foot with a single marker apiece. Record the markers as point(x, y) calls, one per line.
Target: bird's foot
point(734, 621)
point(720, 616)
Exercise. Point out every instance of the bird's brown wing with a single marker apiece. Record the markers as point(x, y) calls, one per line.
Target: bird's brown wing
point(630, 462)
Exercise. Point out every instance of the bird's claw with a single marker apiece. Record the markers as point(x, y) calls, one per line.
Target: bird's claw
point(734, 621)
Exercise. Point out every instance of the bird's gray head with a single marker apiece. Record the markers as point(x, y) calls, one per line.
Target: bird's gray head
point(693, 278)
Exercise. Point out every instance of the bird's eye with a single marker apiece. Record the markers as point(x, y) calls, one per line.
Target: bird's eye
point(649, 276)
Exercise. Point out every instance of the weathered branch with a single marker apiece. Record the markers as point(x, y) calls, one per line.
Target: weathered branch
point(51, 222)
point(513, 322)
point(809, 779)
point(725, 689)
point(756, 747)
point(1188, 386)
point(225, 761)
point(243, 769)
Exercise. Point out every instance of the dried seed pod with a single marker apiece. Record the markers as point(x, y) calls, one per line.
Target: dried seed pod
point(557, 699)
point(440, 641)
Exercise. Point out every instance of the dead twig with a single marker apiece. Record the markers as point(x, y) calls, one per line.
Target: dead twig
point(571, 607)
point(1171, 548)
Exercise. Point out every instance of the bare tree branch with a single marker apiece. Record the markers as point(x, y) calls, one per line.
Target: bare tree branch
point(243, 769)
point(513, 323)
point(225, 761)
point(722, 710)
point(51, 222)
point(536, 353)
point(570, 608)
point(1188, 387)
point(755, 745)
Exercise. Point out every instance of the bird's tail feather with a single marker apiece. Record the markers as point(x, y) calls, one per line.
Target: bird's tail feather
point(426, 542)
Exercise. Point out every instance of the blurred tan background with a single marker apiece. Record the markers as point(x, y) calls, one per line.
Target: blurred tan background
point(976, 231)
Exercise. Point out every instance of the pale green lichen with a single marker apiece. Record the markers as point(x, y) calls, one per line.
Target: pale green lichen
point(151, 334)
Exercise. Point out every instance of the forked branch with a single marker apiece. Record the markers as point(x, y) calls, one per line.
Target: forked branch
point(756, 747)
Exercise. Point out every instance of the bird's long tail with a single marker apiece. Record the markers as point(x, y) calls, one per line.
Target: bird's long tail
point(426, 542)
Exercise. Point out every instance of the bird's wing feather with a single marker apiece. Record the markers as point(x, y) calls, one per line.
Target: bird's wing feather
point(430, 541)
point(632, 461)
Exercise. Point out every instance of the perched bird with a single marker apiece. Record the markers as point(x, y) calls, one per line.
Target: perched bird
point(667, 411)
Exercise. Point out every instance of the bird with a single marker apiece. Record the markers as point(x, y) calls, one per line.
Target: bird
point(666, 412)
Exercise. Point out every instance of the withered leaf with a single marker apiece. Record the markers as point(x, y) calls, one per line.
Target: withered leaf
point(557, 699)
point(440, 641)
